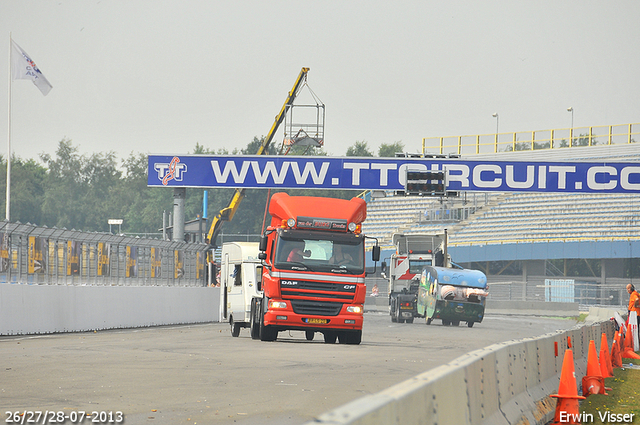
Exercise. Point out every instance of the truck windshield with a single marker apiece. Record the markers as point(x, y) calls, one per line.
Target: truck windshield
point(320, 251)
point(416, 266)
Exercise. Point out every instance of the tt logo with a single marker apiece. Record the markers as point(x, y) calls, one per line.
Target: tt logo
point(172, 171)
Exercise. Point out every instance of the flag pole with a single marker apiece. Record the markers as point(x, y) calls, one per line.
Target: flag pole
point(8, 199)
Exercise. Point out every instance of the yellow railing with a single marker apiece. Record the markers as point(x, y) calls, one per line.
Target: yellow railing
point(542, 239)
point(532, 140)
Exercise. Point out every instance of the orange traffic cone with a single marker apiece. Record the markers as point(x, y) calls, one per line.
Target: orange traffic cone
point(593, 382)
point(567, 404)
point(604, 364)
point(628, 352)
point(604, 345)
point(616, 353)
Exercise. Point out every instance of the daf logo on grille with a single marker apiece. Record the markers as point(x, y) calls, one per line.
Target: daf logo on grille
point(349, 287)
point(290, 282)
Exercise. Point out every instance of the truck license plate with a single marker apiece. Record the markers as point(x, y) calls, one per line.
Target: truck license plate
point(317, 321)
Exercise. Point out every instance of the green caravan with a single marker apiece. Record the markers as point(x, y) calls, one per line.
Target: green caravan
point(452, 295)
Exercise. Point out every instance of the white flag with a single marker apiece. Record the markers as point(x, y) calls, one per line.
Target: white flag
point(23, 68)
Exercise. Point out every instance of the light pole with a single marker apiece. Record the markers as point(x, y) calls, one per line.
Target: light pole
point(570, 109)
point(495, 115)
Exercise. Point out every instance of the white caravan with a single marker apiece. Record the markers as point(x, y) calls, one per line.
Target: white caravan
point(240, 282)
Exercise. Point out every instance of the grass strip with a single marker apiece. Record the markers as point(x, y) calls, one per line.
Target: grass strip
point(622, 399)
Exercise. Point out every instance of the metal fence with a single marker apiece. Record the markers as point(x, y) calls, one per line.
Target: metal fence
point(52, 256)
point(581, 290)
point(532, 140)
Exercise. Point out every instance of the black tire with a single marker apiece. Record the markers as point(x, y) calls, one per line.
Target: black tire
point(235, 327)
point(394, 319)
point(470, 324)
point(455, 323)
point(399, 318)
point(429, 320)
point(309, 335)
point(330, 337)
point(267, 333)
point(254, 323)
point(445, 322)
point(410, 320)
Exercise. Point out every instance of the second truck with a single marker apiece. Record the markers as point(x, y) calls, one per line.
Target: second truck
point(413, 253)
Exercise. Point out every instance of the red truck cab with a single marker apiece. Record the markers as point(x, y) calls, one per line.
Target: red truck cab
point(313, 269)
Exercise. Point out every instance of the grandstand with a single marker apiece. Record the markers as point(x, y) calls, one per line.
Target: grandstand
point(531, 230)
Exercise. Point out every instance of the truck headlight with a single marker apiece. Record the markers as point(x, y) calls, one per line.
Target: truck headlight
point(354, 309)
point(277, 304)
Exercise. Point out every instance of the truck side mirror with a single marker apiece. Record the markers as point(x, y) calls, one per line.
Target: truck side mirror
point(262, 255)
point(375, 253)
point(263, 244)
point(383, 267)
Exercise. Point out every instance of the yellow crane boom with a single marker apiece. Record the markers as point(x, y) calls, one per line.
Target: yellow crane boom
point(227, 213)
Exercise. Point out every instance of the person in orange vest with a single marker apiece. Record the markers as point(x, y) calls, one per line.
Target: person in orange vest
point(634, 301)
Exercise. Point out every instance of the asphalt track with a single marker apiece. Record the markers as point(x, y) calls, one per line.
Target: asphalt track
point(200, 374)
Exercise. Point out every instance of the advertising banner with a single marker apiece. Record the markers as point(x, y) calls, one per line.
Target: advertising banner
point(73, 258)
point(131, 269)
point(179, 264)
point(37, 255)
point(4, 252)
point(104, 257)
point(156, 262)
point(282, 172)
point(200, 261)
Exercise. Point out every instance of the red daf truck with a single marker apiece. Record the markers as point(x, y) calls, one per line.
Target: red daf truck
point(313, 256)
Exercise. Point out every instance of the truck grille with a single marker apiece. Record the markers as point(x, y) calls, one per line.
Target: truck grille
point(310, 289)
point(320, 308)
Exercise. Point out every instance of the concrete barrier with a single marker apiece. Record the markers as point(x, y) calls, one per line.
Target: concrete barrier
point(503, 384)
point(38, 309)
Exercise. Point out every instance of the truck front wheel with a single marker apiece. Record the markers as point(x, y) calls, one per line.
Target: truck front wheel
point(254, 323)
point(267, 333)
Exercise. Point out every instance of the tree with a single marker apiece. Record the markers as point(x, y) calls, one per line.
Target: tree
point(65, 188)
point(27, 189)
point(359, 149)
point(390, 150)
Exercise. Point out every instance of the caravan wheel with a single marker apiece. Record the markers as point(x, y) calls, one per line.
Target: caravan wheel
point(235, 327)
